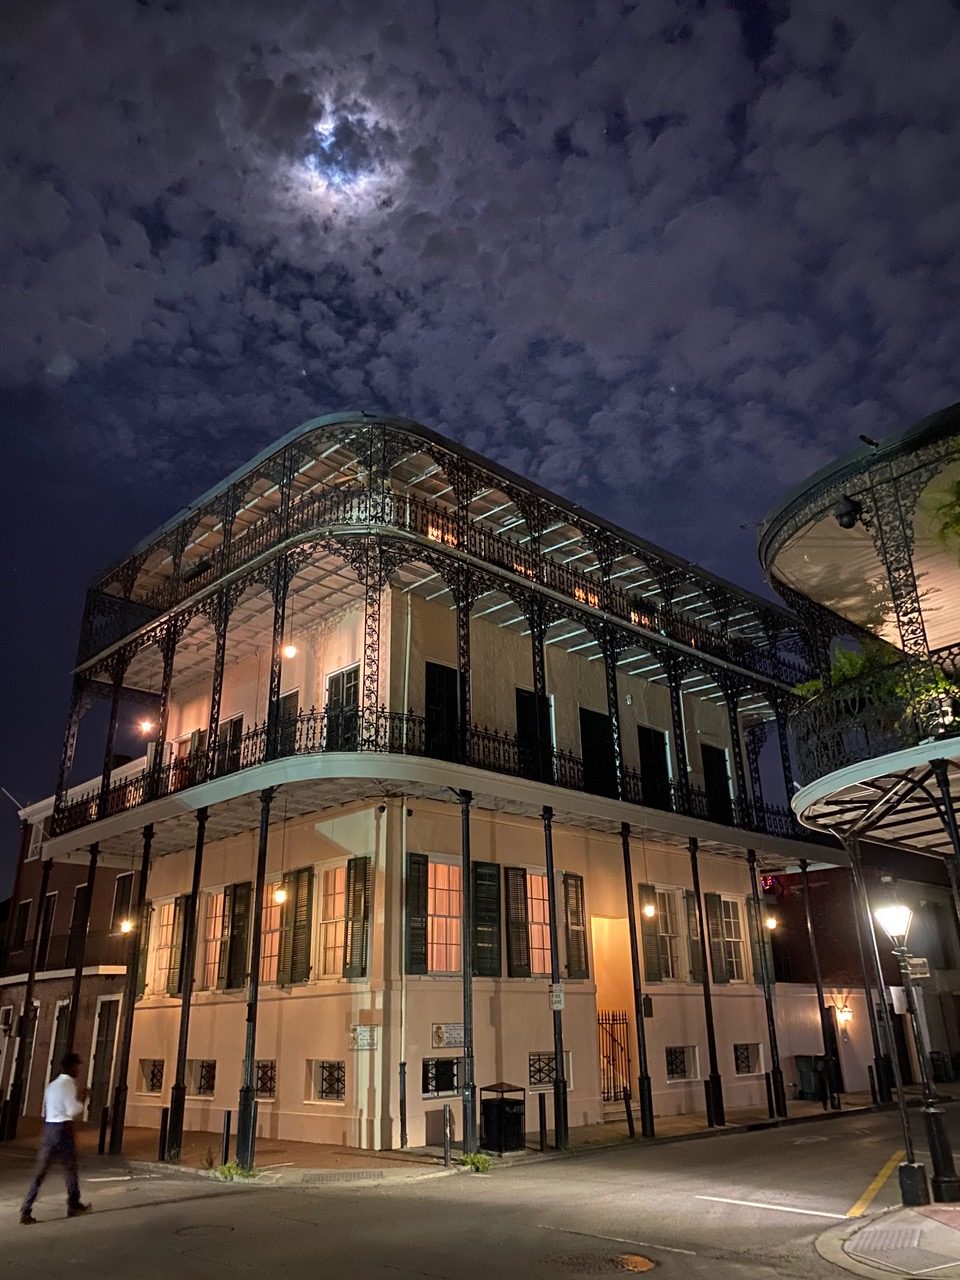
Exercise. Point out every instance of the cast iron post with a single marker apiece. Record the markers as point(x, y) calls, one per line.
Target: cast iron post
point(881, 1066)
point(118, 1111)
point(466, 969)
point(82, 927)
point(246, 1132)
point(643, 1080)
point(826, 1029)
point(178, 1091)
point(776, 1075)
point(26, 1025)
point(715, 1081)
point(559, 1073)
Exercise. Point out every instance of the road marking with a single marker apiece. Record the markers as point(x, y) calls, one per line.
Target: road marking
point(120, 1177)
point(782, 1208)
point(642, 1244)
point(863, 1204)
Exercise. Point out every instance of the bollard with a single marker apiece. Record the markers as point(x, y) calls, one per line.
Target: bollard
point(631, 1128)
point(824, 1091)
point(873, 1085)
point(403, 1105)
point(225, 1141)
point(446, 1133)
point(708, 1096)
point(542, 1106)
point(771, 1105)
point(104, 1123)
point(164, 1123)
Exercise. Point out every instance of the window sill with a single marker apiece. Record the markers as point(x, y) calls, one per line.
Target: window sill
point(324, 1102)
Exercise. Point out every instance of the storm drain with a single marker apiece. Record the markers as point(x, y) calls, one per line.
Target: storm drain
point(898, 1248)
point(346, 1175)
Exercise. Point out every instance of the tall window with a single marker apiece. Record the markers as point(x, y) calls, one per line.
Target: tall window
point(122, 895)
point(668, 928)
point(20, 925)
point(333, 921)
point(444, 907)
point(212, 938)
point(270, 935)
point(733, 939)
point(165, 953)
point(538, 917)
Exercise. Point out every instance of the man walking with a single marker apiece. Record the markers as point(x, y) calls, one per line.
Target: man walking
point(62, 1104)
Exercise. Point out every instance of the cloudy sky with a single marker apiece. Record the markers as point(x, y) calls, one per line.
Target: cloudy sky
point(664, 257)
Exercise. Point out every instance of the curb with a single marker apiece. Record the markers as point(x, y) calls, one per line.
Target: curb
point(268, 1177)
point(830, 1246)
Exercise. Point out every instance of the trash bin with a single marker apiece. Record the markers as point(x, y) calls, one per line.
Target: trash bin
point(503, 1117)
point(940, 1066)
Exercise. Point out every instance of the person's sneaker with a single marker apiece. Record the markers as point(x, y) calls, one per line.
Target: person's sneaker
point(27, 1219)
point(75, 1210)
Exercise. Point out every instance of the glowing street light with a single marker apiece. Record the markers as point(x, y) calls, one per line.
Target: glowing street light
point(145, 726)
point(894, 919)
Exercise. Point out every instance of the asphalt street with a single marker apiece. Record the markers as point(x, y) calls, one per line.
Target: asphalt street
point(737, 1206)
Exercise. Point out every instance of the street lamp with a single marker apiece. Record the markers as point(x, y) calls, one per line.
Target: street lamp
point(894, 919)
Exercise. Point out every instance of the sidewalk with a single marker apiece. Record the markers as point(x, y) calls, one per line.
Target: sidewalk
point(900, 1242)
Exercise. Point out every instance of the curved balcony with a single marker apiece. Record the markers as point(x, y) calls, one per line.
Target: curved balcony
point(881, 711)
point(405, 733)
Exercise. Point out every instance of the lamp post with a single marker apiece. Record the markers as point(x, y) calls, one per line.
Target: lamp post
point(894, 919)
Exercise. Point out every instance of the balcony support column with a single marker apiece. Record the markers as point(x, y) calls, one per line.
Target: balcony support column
point(26, 1023)
point(246, 1109)
point(783, 740)
point(118, 1110)
point(178, 1091)
point(560, 1125)
point(948, 816)
point(716, 1115)
point(221, 618)
point(610, 647)
point(755, 737)
point(77, 707)
point(278, 590)
point(82, 927)
point(731, 699)
point(466, 970)
point(675, 668)
point(536, 616)
point(373, 576)
point(881, 1067)
point(464, 597)
point(645, 1093)
point(826, 1027)
point(118, 671)
point(167, 641)
point(766, 978)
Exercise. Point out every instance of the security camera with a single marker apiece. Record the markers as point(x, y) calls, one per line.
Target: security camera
point(847, 512)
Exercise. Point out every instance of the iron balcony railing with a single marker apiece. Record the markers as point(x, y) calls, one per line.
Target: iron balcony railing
point(63, 951)
point(406, 733)
point(883, 710)
point(357, 509)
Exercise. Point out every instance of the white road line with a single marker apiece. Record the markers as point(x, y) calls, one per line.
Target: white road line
point(120, 1177)
point(782, 1208)
point(641, 1244)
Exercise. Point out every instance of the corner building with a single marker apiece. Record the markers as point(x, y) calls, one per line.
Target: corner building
point(407, 678)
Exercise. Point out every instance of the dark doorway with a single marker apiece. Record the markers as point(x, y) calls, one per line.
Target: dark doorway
point(343, 716)
point(228, 744)
point(654, 767)
point(441, 704)
point(289, 710)
point(716, 783)
point(104, 1042)
point(596, 749)
point(534, 736)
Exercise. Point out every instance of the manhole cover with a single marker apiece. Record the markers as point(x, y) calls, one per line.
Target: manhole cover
point(203, 1233)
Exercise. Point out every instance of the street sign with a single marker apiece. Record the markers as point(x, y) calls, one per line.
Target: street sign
point(556, 996)
point(918, 966)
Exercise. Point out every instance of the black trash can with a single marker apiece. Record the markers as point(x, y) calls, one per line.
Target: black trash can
point(503, 1117)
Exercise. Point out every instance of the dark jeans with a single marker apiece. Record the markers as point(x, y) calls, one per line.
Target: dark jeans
point(56, 1143)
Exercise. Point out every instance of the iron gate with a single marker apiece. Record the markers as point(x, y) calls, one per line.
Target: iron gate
point(614, 1033)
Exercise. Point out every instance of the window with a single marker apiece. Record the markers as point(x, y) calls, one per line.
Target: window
point(270, 935)
point(167, 956)
point(343, 698)
point(20, 925)
point(333, 921)
point(541, 1069)
point(122, 897)
point(46, 929)
point(682, 1062)
point(296, 925)
point(747, 1059)
point(444, 906)
point(288, 711)
point(37, 833)
point(328, 1080)
point(733, 939)
point(538, 919)
point(78, 926)
point(440, 1076)
point(151, 1075)
point(229, 738)
point(668, 933)
point(212, 938)
point(265, 1077)
point(201, 1077)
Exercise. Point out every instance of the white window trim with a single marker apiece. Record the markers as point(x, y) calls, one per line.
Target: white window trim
point(450, 860)
point(101, 1001)
point(149, 1093)
point(761, 1063)
point(154, 986)
point(317, 973)
point(678, 894)
point(682, 1080)
point(744, 940)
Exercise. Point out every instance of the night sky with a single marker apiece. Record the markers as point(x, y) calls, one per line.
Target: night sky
point(665, 258)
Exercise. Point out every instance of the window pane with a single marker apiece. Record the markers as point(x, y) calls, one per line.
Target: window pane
point(213, 938)
point(333, 924)
point(444, 907)
point(270, 936)
point(538, 916)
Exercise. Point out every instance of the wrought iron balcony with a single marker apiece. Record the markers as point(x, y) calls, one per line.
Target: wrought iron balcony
point(884, 710)
point(62, 951)
point(316, 732)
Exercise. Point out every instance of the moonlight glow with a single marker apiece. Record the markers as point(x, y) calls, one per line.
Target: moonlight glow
point(349, 151)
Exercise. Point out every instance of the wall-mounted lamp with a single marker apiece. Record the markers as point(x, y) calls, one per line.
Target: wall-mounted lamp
point(126, 926)
point(844, 1015)
point(649, 910)
point(279, 895)
point(770, 922)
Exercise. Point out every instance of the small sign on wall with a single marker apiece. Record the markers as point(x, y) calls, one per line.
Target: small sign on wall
point(556, 996)
point(363, 1037)
point(447, 1035)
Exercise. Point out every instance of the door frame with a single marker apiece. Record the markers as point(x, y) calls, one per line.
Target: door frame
point(101, 1001)
point(58, 1005)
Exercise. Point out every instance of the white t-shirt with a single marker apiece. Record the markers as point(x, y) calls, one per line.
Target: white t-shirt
point(60, 1101)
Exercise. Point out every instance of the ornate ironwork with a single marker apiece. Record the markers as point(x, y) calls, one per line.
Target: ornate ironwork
point(330, 1080)
point(613, 1029)
point(265, 1077)
point(153, 1075)
point(675, 667)
point(542, 1069)
point(678, 1062)
point(744, 1059)
point(205, 1077)
point(441, 1075)
point(755, 737)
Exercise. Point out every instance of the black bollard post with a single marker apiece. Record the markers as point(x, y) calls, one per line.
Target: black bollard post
point(403, 1105)
point(708, 1095)
point(102, 1139)
point(225, 1141)
point(771, 1105)
point(631, 1128)
point(446, 1134)
point(164, 1123)
point(542, 1109)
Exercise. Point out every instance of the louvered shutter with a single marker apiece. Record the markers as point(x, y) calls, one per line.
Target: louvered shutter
point(759, 937)
point(357, 921)
point(178, 943)
point(143, 945)
point(718, 959)
point(302, 925)
point(518, 935)
point(650, 936)
point(226, 919)
point(693, 938)
point(486, 919)
point(416, 913)
point(239, 936)
point(576, 926)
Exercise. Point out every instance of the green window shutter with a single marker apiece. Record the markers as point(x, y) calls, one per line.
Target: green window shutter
point(575, 921)
point(302, 925)
point(486, 919)
point(143, 946)
point(718, 959)
point(695, 948)
point(358, 916)
point(650, 936)
point(239, 936)
point(518, 935)
point(285, 958)
point(759, 937)
point(226, 919)
point(415, 947)
point(179, 942)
